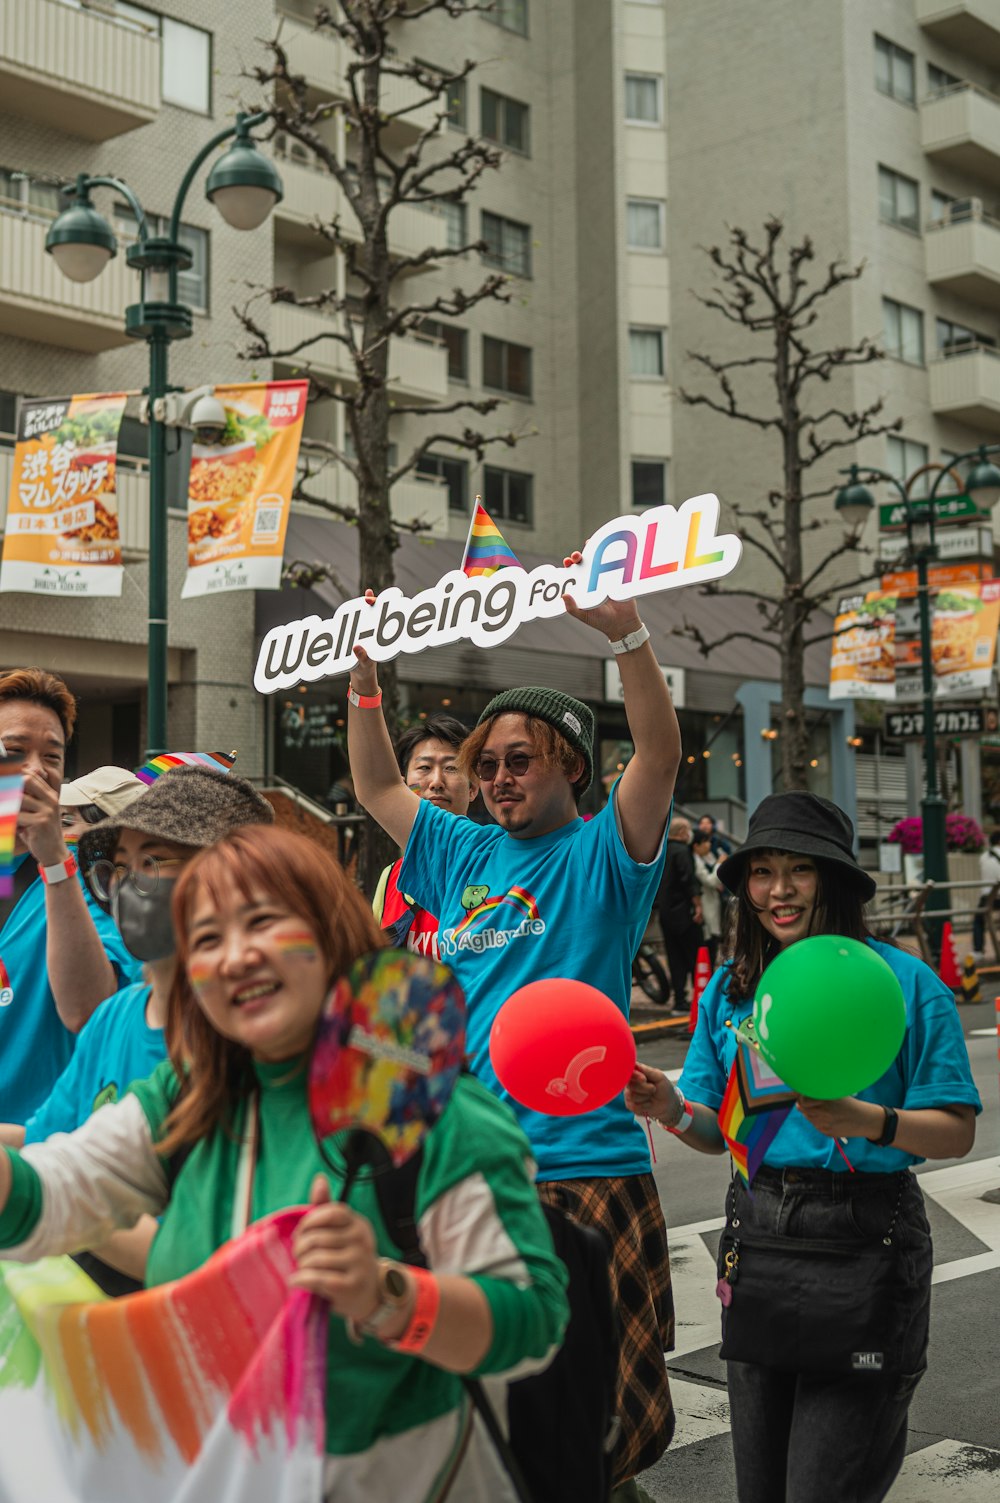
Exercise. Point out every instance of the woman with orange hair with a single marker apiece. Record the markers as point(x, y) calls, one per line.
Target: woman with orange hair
point(265, 923)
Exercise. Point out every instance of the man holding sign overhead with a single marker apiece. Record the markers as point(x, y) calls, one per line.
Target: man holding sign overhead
point(544, 894)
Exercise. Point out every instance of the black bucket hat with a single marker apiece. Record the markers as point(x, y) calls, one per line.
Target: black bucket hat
point(804, 825)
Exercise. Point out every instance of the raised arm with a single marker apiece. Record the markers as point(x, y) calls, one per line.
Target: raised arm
point(377, 783)
point(647, 784)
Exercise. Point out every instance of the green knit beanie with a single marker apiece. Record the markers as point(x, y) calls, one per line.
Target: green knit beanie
point(567, 715)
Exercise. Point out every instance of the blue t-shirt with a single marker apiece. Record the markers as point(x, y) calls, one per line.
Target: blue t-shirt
point(115, 1047)
point(572, 903)
point(931, 1069)
point(35, 1048)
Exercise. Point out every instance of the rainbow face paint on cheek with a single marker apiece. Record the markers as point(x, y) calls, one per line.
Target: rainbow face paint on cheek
point(200, 973)
point(297, 942)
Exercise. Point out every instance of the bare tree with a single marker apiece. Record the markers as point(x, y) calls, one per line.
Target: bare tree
point(435, 169)
point(769, 296)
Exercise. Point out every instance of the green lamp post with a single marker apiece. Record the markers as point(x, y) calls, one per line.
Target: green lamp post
point(854, 502)
point(244, 186)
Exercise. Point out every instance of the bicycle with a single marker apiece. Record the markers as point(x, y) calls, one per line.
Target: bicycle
point(649, 974)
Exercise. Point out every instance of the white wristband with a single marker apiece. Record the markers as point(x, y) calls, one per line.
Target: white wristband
point(686, 1117)
point(631, 641)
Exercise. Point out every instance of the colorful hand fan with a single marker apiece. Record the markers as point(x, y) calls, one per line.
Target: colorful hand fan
point(388, 1051)
point(11, 793)
point(156, 766)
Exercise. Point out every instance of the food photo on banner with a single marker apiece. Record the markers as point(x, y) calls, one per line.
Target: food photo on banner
point(863, 658)
point(62, 536)
point(876, 643)
point(240, 489)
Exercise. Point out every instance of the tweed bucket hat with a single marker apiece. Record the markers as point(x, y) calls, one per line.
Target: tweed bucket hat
point(193, 806)
point(572, 719)
point(803, 824)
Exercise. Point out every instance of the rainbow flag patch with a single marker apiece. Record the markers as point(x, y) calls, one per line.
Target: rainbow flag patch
point(156, 766)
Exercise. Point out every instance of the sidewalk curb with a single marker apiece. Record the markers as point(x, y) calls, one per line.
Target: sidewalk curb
point(658, 1028)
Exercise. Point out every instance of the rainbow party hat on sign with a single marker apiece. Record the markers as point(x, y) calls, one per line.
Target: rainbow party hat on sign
point(156, 766)
point(11, 792)
point(486, 550)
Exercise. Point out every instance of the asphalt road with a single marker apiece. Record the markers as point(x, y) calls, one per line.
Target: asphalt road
point(955, 1420)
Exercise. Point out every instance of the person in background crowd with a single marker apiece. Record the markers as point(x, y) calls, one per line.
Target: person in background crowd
point(97, 795)
point(544, 893)
point(427, 756)
point(679, 906)
point(989, 871)
point(266, 922)
point(709, 826)
point(132, 862)
point(810, 1422)
point(60, 954)
point(710, 888)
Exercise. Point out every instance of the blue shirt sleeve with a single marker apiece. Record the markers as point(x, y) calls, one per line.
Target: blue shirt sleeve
point(65, 1107)
point(935, 1060)
point(619, 884)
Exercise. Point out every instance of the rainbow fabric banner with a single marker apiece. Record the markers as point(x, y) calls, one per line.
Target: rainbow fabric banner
point(486, 550)
point(156, 766)
point(11, 793)
point(755, 1105)
point(209, 1388)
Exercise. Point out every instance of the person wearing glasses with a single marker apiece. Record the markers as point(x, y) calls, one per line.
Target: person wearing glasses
point(543, 893)
point(132, 861)
point(60, 953)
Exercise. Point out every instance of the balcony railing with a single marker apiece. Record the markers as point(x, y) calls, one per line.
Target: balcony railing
point(960, 127)
point(962, 253)
point(75, 70)
point(965, 385)
point(971, 27)
point(417, 367)
point(37, 302)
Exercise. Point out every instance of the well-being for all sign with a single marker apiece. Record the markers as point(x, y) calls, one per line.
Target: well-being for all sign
point(662, 549)
point(62, 535)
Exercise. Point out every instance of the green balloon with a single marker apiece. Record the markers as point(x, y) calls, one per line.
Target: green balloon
point(829, 1016)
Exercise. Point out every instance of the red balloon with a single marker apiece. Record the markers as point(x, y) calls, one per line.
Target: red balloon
point(561, 1047)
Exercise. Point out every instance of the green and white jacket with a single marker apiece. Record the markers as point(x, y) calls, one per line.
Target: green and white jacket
point(397, 1427)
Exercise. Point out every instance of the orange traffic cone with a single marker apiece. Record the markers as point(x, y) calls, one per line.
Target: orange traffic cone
point(702, 974)
point(949, 970)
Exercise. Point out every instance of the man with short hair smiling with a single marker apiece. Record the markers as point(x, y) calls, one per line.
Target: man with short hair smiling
point(544, 893)
point(60, 954)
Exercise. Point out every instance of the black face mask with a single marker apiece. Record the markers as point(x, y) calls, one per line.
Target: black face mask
point(144, 921)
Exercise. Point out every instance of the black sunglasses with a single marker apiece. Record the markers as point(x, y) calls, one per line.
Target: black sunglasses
point(516, 764)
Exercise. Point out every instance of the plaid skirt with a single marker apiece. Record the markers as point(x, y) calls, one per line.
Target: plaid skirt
point(627, 1209)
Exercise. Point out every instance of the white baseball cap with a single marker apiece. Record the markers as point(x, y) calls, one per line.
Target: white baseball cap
point(112, 789)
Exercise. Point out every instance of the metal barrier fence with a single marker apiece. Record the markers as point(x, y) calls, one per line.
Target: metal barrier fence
point(903, 910)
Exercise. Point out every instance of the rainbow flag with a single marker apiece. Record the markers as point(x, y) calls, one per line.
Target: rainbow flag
point(11, 793)
point(156, 766)
point(216, 1381)
point(486, 551)
point(755, 1105)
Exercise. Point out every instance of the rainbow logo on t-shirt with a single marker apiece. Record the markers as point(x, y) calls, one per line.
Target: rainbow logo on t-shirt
point(518, 898)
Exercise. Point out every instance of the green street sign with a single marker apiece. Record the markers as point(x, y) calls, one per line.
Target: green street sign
point(948, 510)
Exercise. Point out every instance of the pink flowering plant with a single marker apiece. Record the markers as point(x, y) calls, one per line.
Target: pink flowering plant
point(961, 833)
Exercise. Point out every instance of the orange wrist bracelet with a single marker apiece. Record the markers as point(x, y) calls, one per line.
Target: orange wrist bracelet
point(425, 1313)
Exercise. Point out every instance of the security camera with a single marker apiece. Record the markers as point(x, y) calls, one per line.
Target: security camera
point(208, 420)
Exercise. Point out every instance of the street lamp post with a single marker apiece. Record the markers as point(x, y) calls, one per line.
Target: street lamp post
point(244, 186)
point(854, 502)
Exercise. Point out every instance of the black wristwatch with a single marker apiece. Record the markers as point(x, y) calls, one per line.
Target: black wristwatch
point(888, 1132)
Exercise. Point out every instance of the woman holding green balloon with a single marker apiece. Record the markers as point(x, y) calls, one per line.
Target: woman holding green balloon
point(835, 1063)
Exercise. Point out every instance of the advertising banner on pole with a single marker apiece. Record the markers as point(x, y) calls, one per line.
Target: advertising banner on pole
point(62, 535)
point(239, 490)
point(877, 651)
point(863, 660)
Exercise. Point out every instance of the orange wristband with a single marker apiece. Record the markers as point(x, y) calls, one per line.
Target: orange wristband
point(364, 701)
point(425, 1313)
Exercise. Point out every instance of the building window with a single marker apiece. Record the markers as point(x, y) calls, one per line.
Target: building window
point(193, 284)
point(649, 483)
point(939, 80)
point(456, 223)
point(903, 331)
point(955, 339)
point(508, 244)
point(898, 199)
point(454, 100)
point(646, 353)
point(453, 472)
point(506, 367)
point(512, 15)
point(455, 340)
point(941, 205)
point(895, 72)
point(20, 193)
point(185, 56)
point(507, 494)
point(643, 98)
point(904, 458)
point(505, 121)
point(644, 223)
